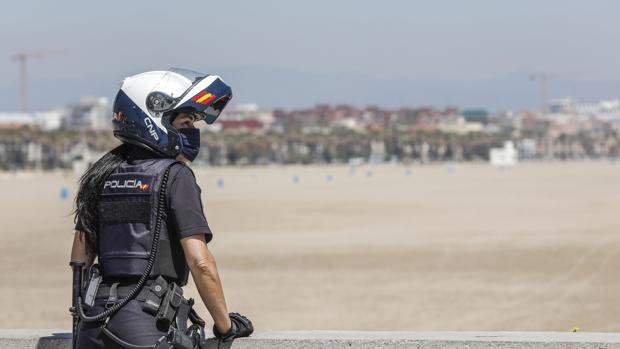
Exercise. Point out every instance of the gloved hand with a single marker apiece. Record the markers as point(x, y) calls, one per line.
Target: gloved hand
point(241, 327)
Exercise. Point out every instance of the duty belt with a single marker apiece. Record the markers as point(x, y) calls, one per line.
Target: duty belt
point(151, 293)
point(166, 302)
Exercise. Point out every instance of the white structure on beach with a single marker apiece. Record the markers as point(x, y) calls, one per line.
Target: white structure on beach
point(505, 156)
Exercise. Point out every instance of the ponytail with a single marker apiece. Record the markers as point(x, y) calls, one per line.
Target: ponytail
point(87, 198)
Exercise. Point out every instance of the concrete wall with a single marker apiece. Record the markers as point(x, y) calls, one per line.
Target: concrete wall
point(53, 339)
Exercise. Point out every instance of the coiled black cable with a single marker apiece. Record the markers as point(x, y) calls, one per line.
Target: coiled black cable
point(161, 204)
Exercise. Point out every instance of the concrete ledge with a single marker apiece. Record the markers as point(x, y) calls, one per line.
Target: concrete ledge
point(55, 339)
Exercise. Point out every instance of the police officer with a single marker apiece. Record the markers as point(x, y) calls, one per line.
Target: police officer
point(139, 212)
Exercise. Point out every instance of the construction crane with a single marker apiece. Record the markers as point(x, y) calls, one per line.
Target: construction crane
point(23, 58)
point(543, 78)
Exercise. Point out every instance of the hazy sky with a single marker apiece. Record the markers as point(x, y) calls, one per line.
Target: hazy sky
point(328, 43)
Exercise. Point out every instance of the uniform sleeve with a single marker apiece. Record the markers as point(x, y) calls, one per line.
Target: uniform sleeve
point(186, 211)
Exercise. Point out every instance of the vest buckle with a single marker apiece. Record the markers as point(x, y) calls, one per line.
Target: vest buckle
point(113, 297)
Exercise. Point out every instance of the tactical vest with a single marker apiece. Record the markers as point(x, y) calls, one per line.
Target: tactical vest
point(127, 215)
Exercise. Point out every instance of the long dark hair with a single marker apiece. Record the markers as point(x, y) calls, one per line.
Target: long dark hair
point(87, 198)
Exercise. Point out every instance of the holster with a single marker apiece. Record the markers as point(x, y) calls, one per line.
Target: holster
point(172, 301)
point(172, 311)
point(181, 337)
point(153, 299)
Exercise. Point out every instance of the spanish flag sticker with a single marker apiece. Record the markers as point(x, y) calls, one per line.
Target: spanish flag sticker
point(203, 97)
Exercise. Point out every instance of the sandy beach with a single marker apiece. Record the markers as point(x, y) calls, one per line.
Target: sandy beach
point(439, 247)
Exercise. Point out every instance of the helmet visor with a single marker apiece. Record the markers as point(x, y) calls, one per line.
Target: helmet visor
point(207, 97)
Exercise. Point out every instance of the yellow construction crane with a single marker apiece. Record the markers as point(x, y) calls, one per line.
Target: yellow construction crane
point(23, 58)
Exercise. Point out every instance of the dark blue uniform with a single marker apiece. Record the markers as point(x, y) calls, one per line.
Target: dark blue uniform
point(126, 219)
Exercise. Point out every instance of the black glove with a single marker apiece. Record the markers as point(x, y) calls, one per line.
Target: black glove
point(241, 327)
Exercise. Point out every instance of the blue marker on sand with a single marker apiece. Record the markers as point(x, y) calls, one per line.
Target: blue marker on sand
point(64, 193)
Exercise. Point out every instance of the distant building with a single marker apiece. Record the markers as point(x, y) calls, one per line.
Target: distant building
point(350, 123)
point(458, 124)
point(51, 119)
point(241, 125)
point(244, 112)
point(476, 115)
point(604, 109)
point(81, 157)
point(377, 152)
point(90, 113)
point(16, 120)
point(527, 148)
point(47, 120)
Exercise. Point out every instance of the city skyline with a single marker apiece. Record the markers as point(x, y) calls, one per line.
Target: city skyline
point(466, 54)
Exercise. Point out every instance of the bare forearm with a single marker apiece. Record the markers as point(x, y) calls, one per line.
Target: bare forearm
point(209, 285)
point(79, 252)
point(204, 271)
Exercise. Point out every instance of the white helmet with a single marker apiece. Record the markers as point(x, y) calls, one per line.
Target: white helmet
point(146, 103)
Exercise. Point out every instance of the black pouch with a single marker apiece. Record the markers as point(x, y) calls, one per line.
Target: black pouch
point(169, 305)
point(154, 296)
